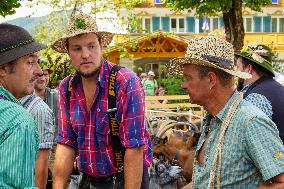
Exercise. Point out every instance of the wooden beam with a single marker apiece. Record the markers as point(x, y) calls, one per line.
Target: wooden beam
point(158, 54)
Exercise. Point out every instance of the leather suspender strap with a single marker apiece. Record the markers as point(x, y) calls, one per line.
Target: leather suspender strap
point(118, 150)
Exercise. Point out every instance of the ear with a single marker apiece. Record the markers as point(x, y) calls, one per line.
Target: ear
point(249, 68)
point(212, 79)
point(165, 140)
point(3, 70)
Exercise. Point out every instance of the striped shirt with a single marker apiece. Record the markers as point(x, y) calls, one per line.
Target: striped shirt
point(88, 131)
point(18, 144)
point(252, 151)
point(51, 99)
point(43, 117)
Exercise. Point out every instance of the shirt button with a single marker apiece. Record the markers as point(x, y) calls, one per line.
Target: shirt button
point(98, 110)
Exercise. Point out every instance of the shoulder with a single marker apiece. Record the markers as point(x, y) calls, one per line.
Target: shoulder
point(41, 106)
point(14, 114)
point(251, 116)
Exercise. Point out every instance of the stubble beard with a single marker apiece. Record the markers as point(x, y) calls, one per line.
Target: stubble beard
point(89, 74)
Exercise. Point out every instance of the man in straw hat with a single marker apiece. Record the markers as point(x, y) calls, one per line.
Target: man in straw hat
point(18, 132)
point(84, 114)
point(239, 146)
point(261, 89)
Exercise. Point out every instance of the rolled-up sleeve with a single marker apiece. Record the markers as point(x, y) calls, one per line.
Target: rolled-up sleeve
point(133, 114)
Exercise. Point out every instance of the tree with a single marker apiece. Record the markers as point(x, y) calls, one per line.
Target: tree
point(7, 7)
point(54, 26)
point(231, 10)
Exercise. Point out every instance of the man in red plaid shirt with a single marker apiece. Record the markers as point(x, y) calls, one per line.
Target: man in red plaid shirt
point(83, 119)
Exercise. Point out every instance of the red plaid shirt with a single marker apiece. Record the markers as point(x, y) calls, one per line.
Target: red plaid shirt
point(88, 131)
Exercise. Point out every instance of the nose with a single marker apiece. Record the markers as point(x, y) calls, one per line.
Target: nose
point(85, 52)
point(37, 70)
point(183, 85)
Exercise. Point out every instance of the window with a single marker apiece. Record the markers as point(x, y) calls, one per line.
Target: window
point(277, 24)
point(215, 24)
point(274, 24)
point(281, 24)
point(274, 2)
point(181, 27)
point(174, 24)
point(178, 25)
point(248, 24)
point(146, 25)
point(158, 2)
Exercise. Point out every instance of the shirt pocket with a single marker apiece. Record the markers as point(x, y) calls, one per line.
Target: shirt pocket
point(102, 129)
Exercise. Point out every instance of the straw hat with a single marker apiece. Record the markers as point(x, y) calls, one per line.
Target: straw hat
point(16, 42)
point(258, 54)
point(210, 52)
point(81, 23)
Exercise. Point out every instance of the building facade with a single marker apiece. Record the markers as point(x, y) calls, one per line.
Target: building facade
point(266, 27)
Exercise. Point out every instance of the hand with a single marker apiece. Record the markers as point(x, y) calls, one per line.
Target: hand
point(188, 186)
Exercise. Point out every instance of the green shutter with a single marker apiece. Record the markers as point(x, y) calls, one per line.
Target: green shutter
point(267, 24)
point(166, 23)
point(221, 21)
point(257, 23)
point(190, 21)
point(155, 23)
point(200, 25)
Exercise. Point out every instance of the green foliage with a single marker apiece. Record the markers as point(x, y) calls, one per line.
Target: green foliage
point(7, 7)
point(210, 8)
point(172, 85)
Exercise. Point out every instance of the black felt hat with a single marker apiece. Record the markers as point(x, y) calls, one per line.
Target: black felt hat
point(16, 42)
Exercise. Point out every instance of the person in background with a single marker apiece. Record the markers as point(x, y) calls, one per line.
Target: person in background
point(143, 76)
point(161, 92)
point(239, 146)
point(84, 116)
point(19, 139)
point(150, 84)
point(44, 119)
point(262, 90)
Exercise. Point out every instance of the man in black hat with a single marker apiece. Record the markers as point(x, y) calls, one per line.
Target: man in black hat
point(18, 132)
point(262, 90)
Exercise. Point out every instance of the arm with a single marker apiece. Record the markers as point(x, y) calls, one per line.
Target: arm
point(266, 150)
point(63, 166)
point(41, 168)
point(277, 182)
point(66, 141)
point(133, 170)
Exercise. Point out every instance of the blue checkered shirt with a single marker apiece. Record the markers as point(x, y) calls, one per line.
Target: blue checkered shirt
point(252, 151)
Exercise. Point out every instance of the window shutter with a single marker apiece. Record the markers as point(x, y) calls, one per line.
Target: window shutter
point(221, 21)
point(156, 23)
point(190, 21)
point(267, 24)
point(200, 25)
point(166, 23)
point(257, 23)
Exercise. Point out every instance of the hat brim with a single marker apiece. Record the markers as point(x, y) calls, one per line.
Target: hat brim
point(269, 69)
point(21, 51)
point(175, 67)
point(104, 37)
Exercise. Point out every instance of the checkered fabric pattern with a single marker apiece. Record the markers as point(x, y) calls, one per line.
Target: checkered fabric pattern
point(252, 151)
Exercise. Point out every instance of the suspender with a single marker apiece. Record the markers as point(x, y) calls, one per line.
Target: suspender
point(118, 151)
point(117, 148)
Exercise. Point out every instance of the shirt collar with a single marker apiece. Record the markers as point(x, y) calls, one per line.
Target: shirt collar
point(245, 88)
point(5, 94)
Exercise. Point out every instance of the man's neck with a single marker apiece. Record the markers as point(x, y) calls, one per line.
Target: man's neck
point(40, 92)
point(254, 78)
point(218, 100)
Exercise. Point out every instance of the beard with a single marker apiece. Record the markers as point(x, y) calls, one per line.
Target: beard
point(89, 74)
point(240, 85)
